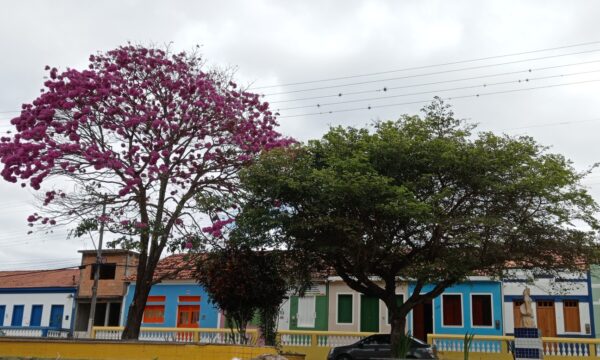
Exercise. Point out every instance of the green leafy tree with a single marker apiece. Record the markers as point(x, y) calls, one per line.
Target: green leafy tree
point(244, 282)
point(422, 198)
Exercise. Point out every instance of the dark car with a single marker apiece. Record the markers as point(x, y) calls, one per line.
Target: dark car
point(378, 347)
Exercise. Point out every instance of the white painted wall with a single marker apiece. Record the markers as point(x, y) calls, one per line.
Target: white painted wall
point(549, 287)
point(45, 299)
point(283, 321)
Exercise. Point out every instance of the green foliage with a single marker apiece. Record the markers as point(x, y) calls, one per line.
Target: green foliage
point(403, 345)
point(423, 198)
point(241, 282)
point(84, 227)
point(267, 323)
point(467, 342)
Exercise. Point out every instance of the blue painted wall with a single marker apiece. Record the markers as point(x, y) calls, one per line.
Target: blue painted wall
point(208, 312)
point(466, 289)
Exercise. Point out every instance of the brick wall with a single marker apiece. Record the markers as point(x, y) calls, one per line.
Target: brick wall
point(126, 266)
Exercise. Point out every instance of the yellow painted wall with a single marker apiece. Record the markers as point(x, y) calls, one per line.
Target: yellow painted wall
point(311, 352)
point(475, 356)
point(484, 356)
point(113, 350)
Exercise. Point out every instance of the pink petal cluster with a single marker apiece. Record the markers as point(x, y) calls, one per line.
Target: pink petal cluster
point(136, 117)
point(216, 229)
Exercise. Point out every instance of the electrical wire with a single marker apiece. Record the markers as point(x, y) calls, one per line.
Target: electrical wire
point(440, 90)
point(386, 88)
point(429, 73)
point(370, 107)
point(427, 66)
point(551, 124)
point(37, 271)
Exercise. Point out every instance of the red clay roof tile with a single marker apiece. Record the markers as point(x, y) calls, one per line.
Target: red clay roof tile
point(39, 278)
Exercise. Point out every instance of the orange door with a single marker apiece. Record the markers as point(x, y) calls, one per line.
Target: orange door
point(517, 312)
point(546, 318)
point(188, 316)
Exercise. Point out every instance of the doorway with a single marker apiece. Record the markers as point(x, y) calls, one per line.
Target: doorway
point(422, 320)
point(307, 312)
point(369, 314)
point(546, 318)
point(56, 316)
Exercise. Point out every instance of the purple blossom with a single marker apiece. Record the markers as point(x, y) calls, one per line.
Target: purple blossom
point(198, 124)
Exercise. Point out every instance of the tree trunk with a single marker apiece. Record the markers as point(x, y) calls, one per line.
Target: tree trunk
point(136, 310)
point(398, 334)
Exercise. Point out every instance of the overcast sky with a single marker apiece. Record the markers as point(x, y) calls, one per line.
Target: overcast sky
point(282, 42)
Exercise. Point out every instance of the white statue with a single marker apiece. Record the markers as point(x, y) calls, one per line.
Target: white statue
point(526, 310)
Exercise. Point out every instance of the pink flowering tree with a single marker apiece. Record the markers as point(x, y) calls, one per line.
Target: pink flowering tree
point(151, 135)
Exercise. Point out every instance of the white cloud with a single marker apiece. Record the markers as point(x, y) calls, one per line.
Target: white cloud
point(279, 42)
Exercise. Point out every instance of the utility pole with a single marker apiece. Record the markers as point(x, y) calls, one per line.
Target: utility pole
point(97, 272)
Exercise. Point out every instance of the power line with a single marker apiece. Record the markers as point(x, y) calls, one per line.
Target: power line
point(36, 271)
point(370, 107)
point(427, 66)
point(430, 73)
point(386, 89)
point(440, 90)
point(30, 262)
point(552, 124)
point(41, 267)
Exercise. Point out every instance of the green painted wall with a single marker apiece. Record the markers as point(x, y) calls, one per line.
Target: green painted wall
point(595, 280)
point(369, 314)
point(322, 310)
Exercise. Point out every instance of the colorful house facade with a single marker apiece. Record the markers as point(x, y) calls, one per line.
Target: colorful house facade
point(177, 300)
point(352, 311)
point(595, 285)
point(37, 301)
point(474, 307)
point(563, 304)
point(308, 312)
point(116, 266)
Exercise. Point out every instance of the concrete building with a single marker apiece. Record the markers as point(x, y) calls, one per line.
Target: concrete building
point(352, 311)
point(473, 306)
point(37, 300)
point(562, 304)
point(176, 300)
point(310, 311)
point(117, 265)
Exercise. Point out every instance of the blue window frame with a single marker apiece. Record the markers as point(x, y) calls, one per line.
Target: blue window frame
point(36, 315)
point(17, 315)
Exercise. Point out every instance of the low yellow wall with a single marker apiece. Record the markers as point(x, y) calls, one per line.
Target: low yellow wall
point(474, 356)
point(311, 352)
point(119, 350)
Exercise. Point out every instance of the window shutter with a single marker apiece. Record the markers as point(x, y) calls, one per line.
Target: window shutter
point(452, 310)
point(571, 315)
point(344, 315)
point(481, 310)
